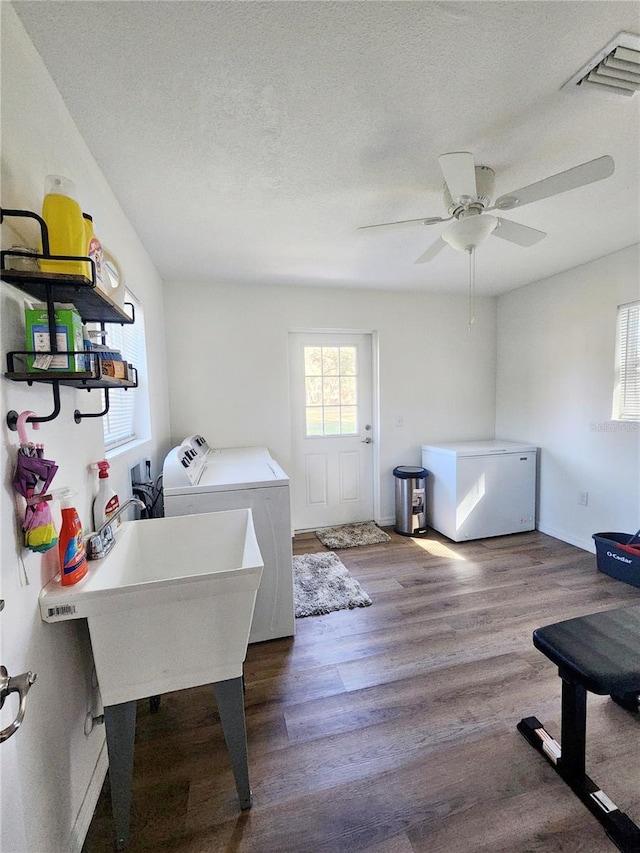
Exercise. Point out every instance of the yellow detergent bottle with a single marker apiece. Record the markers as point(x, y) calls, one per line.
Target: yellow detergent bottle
point(65, 224)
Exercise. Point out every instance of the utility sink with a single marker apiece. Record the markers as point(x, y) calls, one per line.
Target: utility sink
point(170, 606)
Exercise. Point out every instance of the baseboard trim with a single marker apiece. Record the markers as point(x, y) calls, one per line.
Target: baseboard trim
point(385, 522)
point(567, 537)
point(85, 814)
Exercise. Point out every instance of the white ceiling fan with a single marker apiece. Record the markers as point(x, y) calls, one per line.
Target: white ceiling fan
point(467, 195)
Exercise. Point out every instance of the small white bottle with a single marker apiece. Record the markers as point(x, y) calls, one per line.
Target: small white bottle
point(93, 250)
point(106, 502)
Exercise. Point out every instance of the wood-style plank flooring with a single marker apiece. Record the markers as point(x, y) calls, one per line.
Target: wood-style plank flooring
point(392, 728)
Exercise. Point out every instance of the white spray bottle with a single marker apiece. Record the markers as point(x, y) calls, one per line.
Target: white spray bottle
point(106, 502)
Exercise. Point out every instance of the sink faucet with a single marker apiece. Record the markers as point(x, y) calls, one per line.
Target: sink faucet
point(102, 541)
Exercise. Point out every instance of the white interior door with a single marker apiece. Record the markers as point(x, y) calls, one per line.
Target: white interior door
point(332, 429)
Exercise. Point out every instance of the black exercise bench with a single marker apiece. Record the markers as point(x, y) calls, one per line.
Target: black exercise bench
point(599, 653)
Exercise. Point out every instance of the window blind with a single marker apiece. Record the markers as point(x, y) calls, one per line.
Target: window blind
point(119, 423)
point(627, 403)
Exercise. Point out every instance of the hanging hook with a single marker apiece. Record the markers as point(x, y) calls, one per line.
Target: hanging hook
point(18, 422)
point(12, 416)
point(78, 415)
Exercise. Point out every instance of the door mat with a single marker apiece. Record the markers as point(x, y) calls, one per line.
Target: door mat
point(352, 535)
point(322, 584)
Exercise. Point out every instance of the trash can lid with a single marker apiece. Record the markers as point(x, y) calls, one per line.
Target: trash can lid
point(407, 472)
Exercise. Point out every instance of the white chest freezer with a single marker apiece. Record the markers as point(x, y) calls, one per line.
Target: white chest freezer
point(477, 489)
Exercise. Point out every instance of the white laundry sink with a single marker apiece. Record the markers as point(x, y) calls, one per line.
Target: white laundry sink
point(171, 605)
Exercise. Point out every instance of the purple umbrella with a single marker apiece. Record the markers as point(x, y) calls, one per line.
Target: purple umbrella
point(34, 472)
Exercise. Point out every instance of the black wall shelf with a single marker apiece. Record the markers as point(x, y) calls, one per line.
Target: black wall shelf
point(92, 305)
point(91, 377)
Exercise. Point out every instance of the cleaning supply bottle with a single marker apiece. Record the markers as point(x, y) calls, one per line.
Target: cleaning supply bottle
point(65, 225)
point(93, 250)
point(106, 502)
point(71, 550)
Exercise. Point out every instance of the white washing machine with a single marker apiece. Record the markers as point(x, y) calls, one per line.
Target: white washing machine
point(197, 479)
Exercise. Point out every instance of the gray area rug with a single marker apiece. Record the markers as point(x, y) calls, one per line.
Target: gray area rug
point(352, 535)
point(322, 584)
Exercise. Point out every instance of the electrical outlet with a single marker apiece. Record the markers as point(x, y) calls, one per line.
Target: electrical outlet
point(583, 498)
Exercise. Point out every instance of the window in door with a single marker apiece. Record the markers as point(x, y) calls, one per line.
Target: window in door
point(331, 390)
point(626, 399)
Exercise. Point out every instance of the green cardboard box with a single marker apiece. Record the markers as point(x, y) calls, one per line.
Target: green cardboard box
point(68, 337)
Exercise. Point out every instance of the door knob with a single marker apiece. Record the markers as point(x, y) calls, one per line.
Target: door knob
point(367, 440)
point(19, 684)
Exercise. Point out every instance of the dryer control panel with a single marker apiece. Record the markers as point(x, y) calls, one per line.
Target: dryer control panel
point(183, 465)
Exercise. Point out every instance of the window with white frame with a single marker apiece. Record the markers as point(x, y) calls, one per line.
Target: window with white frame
point(626, 398)
point(331, 390)
point(124, 422)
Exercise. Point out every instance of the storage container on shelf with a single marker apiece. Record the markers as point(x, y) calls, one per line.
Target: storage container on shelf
point(65, 225)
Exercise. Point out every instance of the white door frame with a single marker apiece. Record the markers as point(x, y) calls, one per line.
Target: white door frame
point(375, 396)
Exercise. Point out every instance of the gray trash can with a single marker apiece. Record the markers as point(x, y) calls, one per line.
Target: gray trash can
point(411, 515)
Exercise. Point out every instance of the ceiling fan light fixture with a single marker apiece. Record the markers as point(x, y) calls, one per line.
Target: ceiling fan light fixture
point(469, 233)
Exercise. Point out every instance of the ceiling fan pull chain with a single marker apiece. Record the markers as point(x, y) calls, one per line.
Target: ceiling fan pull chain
point(472, 286)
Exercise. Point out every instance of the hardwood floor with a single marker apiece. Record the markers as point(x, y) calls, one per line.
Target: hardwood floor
point(392, 728)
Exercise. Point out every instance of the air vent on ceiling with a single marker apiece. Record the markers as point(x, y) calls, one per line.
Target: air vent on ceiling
point(614, 69)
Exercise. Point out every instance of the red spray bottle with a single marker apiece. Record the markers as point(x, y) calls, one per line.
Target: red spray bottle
point(71, 550)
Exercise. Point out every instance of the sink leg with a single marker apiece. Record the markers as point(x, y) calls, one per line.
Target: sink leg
point(120, 725)
point(230, 701)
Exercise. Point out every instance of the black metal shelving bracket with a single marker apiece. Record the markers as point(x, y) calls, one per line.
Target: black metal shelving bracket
point(78, 415)
point(12, 417)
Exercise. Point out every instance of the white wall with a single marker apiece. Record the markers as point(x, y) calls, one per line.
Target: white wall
point(556, 347)
point(227, 354)
point(228, 365)
point(47, 768)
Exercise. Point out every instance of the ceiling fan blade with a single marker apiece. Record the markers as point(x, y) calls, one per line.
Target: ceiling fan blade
point(459, 173)
point(579, 176)
point(431, 252)
point(516, 233)
point(426, 220)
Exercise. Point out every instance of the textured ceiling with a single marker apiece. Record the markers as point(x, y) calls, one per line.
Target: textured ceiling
point(246, 141)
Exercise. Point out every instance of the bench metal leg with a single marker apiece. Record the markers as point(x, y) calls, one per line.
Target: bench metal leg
point(568, 760)
point(120, 725)
point(230, 701)
point(573, 733)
